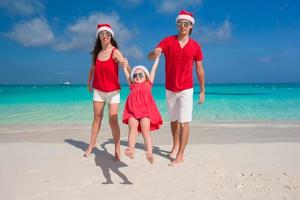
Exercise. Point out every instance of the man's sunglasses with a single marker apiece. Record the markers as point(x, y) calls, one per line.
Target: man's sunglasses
point(185, 24)
point(141, 75)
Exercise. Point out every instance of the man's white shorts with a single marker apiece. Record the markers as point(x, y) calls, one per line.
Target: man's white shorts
point(180, 105)
point(109, 97)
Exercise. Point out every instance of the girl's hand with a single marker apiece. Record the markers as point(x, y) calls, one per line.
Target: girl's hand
point(157, 52)
point(201, 98)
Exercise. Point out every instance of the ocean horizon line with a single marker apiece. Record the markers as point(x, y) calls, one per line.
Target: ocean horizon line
point(159, 84)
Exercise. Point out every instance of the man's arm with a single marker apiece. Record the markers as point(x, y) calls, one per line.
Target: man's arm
point(201, 79)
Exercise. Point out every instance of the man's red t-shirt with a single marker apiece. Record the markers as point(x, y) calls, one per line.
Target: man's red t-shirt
point(179, 62)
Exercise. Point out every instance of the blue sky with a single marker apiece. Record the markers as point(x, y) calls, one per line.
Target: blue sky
point(48, 42)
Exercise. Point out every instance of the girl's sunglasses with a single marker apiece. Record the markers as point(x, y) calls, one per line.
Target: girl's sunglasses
point(140, 75)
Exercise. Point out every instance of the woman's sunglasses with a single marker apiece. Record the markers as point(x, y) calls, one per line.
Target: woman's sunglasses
point(140, 75)
point(104, 33)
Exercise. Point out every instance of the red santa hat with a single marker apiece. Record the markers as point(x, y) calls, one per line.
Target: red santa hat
point(104, 27)
point(185, 15)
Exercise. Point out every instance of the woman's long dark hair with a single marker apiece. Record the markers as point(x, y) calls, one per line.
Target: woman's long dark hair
point(98, 47)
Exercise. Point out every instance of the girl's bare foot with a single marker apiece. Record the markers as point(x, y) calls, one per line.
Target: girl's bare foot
point(129, 152)
point(150, 158)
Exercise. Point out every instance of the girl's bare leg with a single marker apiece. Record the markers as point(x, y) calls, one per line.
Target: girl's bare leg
point(145, 126)
point(133, 128)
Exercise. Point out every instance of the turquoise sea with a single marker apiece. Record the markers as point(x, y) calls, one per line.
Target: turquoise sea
point(21, 104)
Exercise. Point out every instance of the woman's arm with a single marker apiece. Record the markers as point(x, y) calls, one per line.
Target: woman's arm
point(153, 70)
point(118, 56)
point(90, 77)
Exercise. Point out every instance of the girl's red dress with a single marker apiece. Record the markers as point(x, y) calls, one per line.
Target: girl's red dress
point(140, 103)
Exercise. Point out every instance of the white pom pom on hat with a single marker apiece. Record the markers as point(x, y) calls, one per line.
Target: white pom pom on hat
point(139, 67)
point(185, 15)
point(104, 27)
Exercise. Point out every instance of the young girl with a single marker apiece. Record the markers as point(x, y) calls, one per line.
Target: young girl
point(140, 111)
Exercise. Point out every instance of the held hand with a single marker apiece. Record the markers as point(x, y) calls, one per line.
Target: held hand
point(125, 63)
point(201, 98)
point(157, 52)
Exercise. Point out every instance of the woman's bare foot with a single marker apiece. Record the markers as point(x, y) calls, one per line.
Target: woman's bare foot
point(117, 156)
point(150, 158)
point(89, 150)
point(129, 152)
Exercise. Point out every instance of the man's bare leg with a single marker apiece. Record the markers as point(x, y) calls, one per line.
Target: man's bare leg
point(175, 128)
point(184, 136)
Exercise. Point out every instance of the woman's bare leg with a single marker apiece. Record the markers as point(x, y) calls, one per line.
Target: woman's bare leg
point(98, 115)
point(115, 128)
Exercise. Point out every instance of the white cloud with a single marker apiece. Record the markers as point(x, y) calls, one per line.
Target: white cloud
point(82, 34)
point(23, 7)
point(35, 32)
point(79, 36)
point(170, 6)
point(213, 34)
point(134, 52)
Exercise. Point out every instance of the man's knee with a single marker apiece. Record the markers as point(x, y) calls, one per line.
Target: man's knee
point(184, 125)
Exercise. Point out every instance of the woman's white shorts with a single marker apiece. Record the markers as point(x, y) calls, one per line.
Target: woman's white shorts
point(109, 97)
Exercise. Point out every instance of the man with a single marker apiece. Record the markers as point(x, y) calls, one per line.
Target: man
point(181, 52)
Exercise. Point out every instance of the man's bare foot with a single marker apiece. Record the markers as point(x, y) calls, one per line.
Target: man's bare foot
point(150, 158)
point(129, 152)
point(173, 153)
point(176, 162)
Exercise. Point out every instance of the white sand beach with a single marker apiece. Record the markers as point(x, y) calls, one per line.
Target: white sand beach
point(224, 160)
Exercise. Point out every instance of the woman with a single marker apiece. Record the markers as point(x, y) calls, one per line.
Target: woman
point(106, 87)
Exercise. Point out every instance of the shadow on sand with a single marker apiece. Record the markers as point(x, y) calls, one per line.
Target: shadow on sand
point(104, 160)
point(107, 162)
